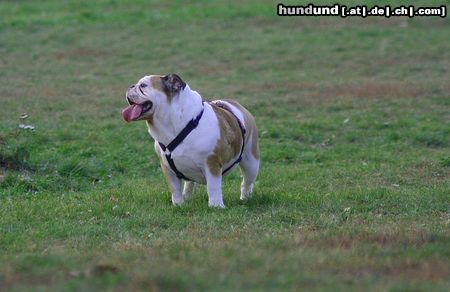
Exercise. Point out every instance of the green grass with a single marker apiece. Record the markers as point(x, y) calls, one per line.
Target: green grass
point(353, 117)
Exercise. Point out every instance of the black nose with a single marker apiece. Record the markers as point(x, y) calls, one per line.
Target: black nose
point(131, 86)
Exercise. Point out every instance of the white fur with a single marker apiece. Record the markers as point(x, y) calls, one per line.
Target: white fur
point(190, 157)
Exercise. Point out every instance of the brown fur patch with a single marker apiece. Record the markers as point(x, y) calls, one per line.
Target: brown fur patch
point(157, 83)
point(230, 141)
point(250, 126)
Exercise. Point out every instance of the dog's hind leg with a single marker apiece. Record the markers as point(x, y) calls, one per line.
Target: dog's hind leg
point(249, 168)
point(187, 190)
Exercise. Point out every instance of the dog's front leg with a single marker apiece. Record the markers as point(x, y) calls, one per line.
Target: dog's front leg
point(174, 184)
point(214, 187)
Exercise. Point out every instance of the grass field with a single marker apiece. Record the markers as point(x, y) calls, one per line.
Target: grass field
point(353, 117)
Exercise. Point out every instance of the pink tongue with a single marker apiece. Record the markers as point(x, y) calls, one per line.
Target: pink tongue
point(131, 112)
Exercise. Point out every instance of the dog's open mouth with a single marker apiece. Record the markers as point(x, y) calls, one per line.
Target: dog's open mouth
point(134, 111)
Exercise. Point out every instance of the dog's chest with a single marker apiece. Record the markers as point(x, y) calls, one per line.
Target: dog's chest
point(190, 156)
point(190, 165)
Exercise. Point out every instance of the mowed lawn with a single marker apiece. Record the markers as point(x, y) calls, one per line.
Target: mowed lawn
point(353, 117)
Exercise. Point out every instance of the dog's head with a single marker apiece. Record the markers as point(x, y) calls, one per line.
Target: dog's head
point(149, 93)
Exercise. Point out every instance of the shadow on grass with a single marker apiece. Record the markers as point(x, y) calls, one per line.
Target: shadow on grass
point(15, 161)
point(259, 203)
point(13, 157)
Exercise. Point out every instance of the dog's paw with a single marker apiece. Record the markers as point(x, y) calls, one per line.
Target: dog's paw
point(246, 197)
point(177, 200)
point(216, 204)
point(187, 196)
point(246, 192)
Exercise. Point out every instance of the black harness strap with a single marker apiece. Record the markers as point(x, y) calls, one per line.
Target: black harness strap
point(243, 137)
point(177, 141)
point(186, 131)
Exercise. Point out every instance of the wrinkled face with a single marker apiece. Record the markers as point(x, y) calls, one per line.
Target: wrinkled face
point(150, 93)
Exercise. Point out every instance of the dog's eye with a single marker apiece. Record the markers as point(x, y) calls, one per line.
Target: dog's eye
point(143, 85)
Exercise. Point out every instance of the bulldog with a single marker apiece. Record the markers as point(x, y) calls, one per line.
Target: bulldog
point(196, 141)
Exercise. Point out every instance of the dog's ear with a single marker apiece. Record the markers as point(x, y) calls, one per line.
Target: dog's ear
point(173, 83)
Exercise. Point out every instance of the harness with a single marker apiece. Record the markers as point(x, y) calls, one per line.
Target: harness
point(186, 131)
